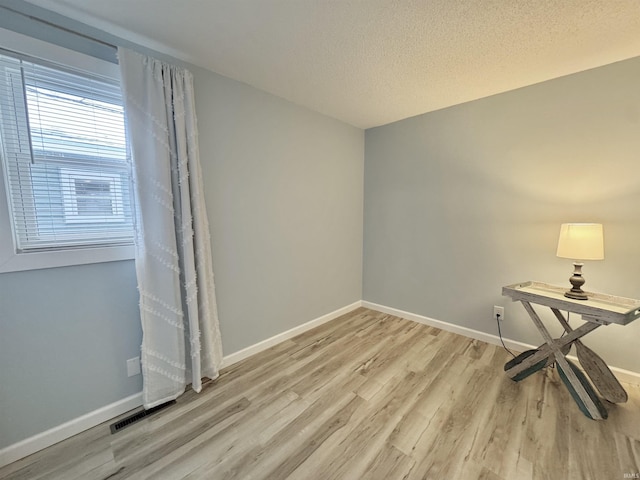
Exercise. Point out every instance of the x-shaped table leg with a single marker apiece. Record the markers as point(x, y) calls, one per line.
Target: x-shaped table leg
point(544, 351)
point(552, 347)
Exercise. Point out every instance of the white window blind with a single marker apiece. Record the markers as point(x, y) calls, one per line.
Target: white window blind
point(65, 156)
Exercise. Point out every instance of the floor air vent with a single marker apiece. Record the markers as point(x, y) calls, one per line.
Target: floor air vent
point(135, 417)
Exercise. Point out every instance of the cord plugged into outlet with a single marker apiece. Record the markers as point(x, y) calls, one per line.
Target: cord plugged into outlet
point(498, 316)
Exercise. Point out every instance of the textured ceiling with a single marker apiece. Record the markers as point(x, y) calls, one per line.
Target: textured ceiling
point(372, 62)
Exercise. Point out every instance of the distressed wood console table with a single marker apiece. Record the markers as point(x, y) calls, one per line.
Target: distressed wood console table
point(598, 310)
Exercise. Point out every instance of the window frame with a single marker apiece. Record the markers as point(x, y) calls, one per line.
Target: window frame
point(10, 261)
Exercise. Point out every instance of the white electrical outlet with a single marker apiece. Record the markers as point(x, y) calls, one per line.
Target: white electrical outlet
point(133, 366)
point(497, 310)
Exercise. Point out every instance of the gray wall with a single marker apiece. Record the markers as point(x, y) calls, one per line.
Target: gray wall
point(462, 201)
point(284, 190)
point(65, 336)
point(284, 195)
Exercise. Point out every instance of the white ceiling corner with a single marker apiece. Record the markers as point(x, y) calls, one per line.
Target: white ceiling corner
point(372, 62)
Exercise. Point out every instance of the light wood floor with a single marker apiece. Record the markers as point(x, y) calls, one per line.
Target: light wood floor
point(366, 396)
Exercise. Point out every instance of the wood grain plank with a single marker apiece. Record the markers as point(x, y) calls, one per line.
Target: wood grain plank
point(367, 395)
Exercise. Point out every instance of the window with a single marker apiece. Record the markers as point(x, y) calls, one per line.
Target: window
point(91, 198)
point(64, 155)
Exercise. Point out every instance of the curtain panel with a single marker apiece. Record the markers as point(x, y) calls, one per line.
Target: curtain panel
point(181, 336)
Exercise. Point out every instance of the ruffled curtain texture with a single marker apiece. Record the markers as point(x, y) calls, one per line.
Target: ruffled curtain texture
point(181, 336)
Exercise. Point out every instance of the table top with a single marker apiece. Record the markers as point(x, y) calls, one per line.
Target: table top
point(599, 307)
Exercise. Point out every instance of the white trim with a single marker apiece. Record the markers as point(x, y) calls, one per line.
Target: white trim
point(56, 434)
point(13, 262)
point(281, 337)
point(68, 429)
point(623, 375)
point(17, 42)
point(45, 439)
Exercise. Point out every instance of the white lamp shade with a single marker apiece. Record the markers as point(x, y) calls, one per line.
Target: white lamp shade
point(581, 241)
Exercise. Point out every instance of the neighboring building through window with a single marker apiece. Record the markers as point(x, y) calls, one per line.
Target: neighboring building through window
point(91, 198)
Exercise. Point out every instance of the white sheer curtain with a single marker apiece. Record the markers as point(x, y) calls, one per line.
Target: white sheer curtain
point(181, 336)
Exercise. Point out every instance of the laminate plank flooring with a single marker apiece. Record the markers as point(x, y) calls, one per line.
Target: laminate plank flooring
point(365, 396)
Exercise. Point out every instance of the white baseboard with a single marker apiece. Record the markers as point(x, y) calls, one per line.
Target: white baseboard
point(54, 435)
point(68, 429)
point(281, 337)
point(623, 375)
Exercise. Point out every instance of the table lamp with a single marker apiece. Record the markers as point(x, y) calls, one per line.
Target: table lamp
point(580, 241)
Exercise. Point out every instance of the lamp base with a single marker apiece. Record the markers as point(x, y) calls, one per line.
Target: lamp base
point(576, 295)
point(576, 281)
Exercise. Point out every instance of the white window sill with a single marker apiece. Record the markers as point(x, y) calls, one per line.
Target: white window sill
point(13, 262)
